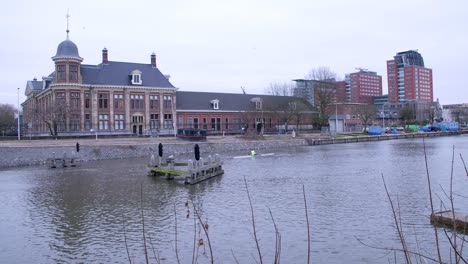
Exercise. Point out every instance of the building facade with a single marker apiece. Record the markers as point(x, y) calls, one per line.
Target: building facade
point(110, 98)
point(408, 79)
point(362, 86)
point(457, 113)
point(236, 113)
point(314, 90)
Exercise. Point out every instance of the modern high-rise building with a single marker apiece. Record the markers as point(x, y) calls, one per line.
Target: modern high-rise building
point(362, 86)
point(314, 90)
point(408, 79)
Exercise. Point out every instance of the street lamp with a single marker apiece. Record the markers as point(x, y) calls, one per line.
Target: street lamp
point(336, 119)
point(383, 116)
point(95, 131)
point(19, 130)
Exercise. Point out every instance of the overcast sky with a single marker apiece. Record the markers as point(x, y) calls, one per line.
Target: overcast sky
point(215, 45)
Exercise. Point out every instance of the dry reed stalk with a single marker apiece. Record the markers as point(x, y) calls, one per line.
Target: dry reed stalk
point(308, 227)
point(400, 231)
point(234, 256)
point(125, 240)
point(143, 224)
point(253, 222)
point(464, 165)
point(431, 202)
point(398, 250)
point(457, 254)
point(205, 230)
point(453, 243)
point(194, 238)
point(277, 240)
point(175, 227)
point(156, 255)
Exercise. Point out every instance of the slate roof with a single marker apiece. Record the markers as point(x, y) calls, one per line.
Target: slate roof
point(36, 85)
point(67, 49)
point(200, 101)
point(118, 73)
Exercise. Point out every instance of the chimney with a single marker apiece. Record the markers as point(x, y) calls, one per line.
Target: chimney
point(104, 56)
point(153, 60)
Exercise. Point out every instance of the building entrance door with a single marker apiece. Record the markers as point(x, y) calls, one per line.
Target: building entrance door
point(137, 124)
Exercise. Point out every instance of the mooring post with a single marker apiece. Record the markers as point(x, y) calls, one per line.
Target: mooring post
point(72, 160)
point(160, 152)
point(64, 159)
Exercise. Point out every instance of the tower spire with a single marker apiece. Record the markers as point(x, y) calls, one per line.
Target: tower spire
point(67, 16)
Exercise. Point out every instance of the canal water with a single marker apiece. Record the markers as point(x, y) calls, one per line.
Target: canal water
point(93, 213)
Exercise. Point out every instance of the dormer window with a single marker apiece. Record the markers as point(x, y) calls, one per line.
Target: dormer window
point(292, 105)
point(258, 102)
point(136, 77)
point(215, 104)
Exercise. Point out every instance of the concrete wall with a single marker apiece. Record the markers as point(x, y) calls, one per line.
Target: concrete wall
point(24, 156)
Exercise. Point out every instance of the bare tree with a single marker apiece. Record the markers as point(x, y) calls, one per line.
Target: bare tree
point(282, 89)
point(298, 110)
point(7, 118)
point(432, 114)
point(322, 73)
point(54, 116)
point(407, 114)
point(324, 85)
point(365, 112)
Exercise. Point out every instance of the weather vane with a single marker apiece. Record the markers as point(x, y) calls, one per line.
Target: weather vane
point(67, 16)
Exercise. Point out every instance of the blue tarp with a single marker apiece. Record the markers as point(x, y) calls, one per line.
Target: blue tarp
point(447, 126)
point(425, 128)
point(374, 130)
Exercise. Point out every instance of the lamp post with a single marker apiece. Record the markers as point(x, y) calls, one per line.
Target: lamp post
point(19, 129)
point(95, 131)
point(383, 116)
point(336, 119)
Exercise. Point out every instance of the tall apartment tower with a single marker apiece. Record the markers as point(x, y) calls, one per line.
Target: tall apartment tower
point(362, 86)
point(408, 79)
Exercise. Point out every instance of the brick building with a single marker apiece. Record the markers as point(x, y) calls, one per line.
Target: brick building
point(235, 113)
point(408, 79)
point(362, 86)
point(111, 98)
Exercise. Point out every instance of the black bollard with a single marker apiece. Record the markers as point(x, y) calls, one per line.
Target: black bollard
point(197, 152)
point(160, 150)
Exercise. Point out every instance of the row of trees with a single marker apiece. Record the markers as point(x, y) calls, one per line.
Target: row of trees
point(8, 124)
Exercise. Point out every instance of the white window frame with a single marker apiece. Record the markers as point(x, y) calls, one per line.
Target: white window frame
point(215, 104)
point(136, 77)
point(258, 102)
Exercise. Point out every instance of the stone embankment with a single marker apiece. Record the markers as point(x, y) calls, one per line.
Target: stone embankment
point(35, 152)
point(25, 152)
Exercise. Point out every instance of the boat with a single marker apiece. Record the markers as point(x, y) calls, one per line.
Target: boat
point(192, 134)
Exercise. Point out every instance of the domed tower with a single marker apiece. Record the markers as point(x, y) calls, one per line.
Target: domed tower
point(67, 62)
